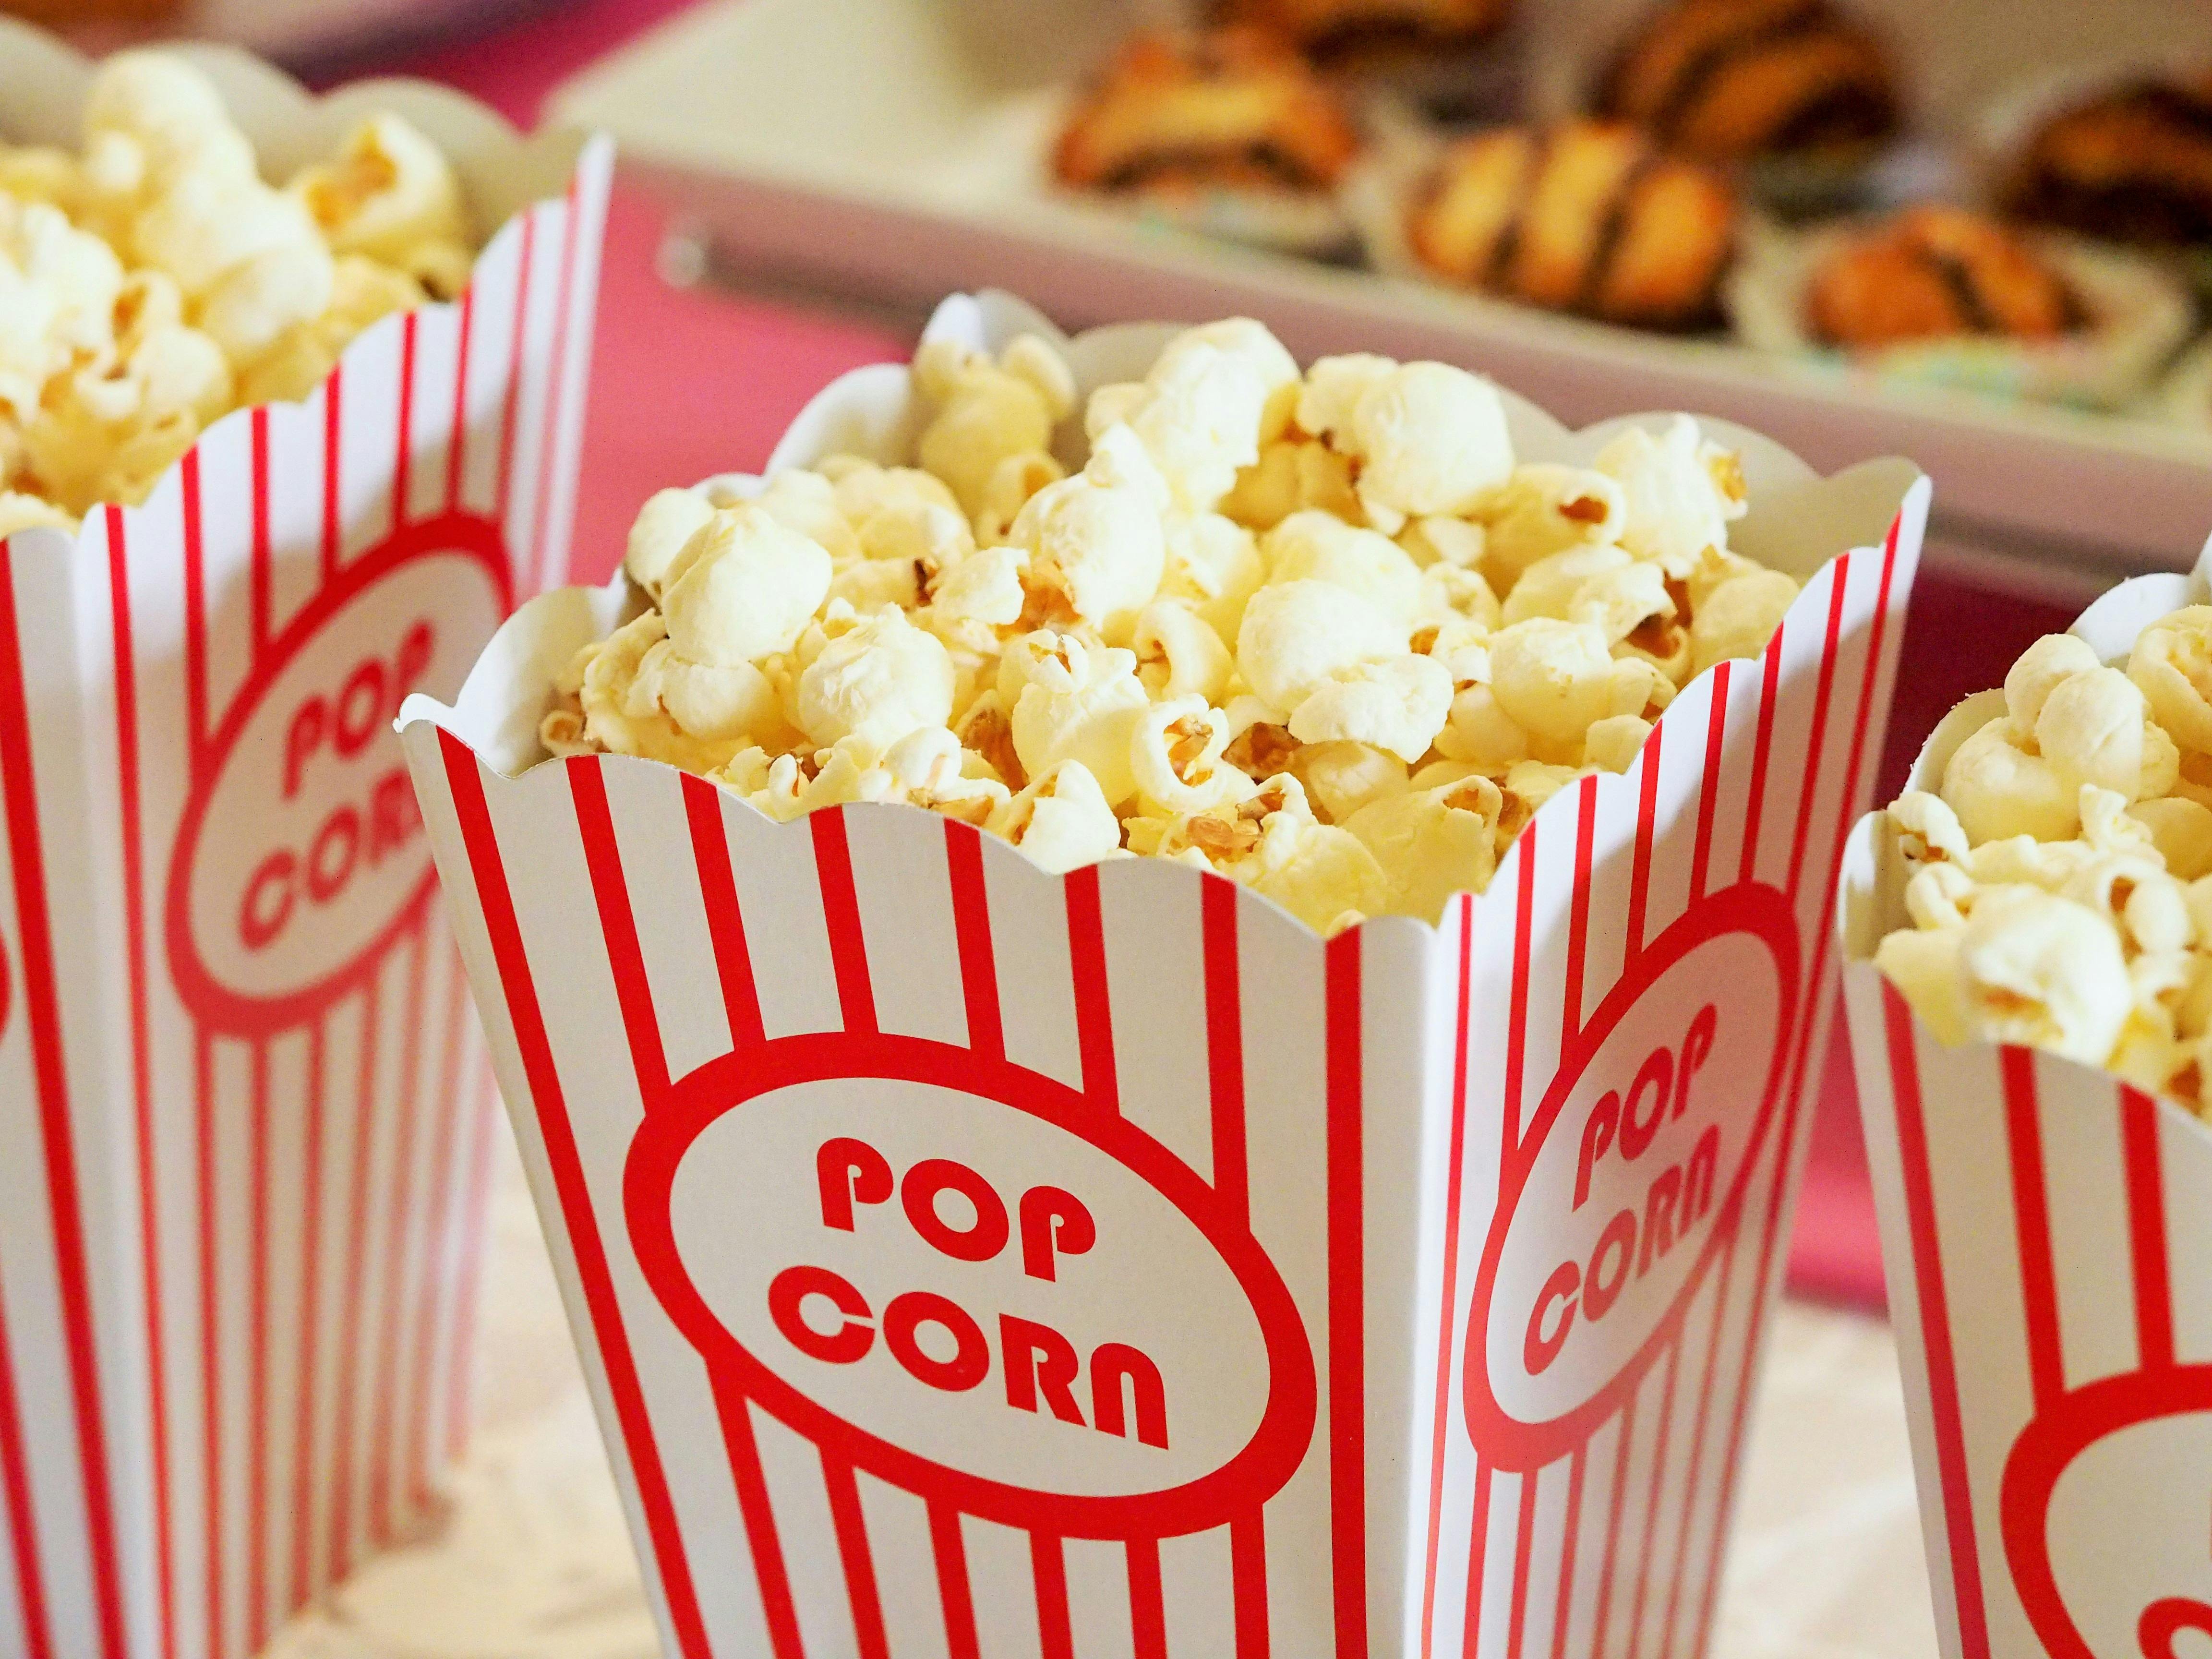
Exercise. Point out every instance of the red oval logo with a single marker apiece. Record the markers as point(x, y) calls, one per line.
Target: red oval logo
point(1631, 1178)
point(956, 1273)
point(301, 855)
point(2106, 1504)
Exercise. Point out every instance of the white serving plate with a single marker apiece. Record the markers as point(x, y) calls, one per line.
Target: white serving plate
point(890, 150)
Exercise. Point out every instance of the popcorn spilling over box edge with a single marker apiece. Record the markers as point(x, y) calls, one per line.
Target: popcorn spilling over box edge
point(968, 1242)
point(2025, 968)
point(242, 1114)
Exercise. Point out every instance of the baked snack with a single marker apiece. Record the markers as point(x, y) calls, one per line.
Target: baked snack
point(153, 281)
point(1177, 113)
point(1348, 683)
point(2132, 164)
point(1931, 272)
point(1339, 32)
point(1722, 80)
point(1587, 217)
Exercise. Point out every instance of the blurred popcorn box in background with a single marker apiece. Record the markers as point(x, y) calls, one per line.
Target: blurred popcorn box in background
point(2047, 1236)
point(242, 1112)
point(974, 1259)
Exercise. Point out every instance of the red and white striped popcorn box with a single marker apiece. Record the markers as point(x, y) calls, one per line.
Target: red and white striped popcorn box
point(2047, 1235)
point(244, 1114)
point(971, 1261)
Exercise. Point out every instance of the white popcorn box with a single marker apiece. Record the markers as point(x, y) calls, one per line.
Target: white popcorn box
point(243, 1111)
point(2047, 1234)
point(971, 1261)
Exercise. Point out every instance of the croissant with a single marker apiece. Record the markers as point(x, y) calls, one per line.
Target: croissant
point(1720, 80)
point(1588, 217)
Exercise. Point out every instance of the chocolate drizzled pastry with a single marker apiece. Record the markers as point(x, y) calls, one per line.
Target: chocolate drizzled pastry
point(1722, 80)
point(1230, 106)
point(1339, 33)
point(1933, 272)
point(1588, 217)
point(2133, 165)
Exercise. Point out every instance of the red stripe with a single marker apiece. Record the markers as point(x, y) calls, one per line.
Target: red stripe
point(1935, 1330)
point(1448, 1314)
point(1048, 1567)
point(949, 1552)
point(15, 1497)
point(1248, 1569)
point(310, 1330)
point(625, 957)
point(257, 1358)
point(1478, 1560)
point(1578, 907)
point(456, 464)
point(1770, 685)
point(1651, 1505)
point(1839, 582)
point(1094, 1008)
point(514, 369)
point(141, 1049)
point(42, 1000)
point(971, 923)
point(262, 557)
point(394, 1274)
point(1524, 1534)
point(2147, 1229)
point(334, 465)
point(210, 1335)
point(1647, 819)
point(1701, 854)
point(1570, 1539)
point(1148, 1616)
point(1516, 1044)
point(2039, 1284)
point(349, 1365)
point(768, 1570)
point(1697, 1439)
point(725, 921)
point(195, 693)
point(549, 473)
point(1224, 1047)
point(1347, 1317)
point(459, 1374)
point(574, 1195)
point(860, 1567)
point(841, 915)
point(1601, 1631)
point(444, 1216)
point(403, 459)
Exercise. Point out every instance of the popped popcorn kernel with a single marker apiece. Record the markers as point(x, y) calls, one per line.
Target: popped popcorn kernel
point(2173, 664)
point(1296, 634)
point(987, 412)
point(1060, 822)
point(1429, 439)
point(742, 586)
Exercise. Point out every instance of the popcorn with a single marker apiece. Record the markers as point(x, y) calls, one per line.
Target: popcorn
point(2173, 664)
point(1999, 786)
point(156, 280)
point(1739, 616)
point(1352, 712)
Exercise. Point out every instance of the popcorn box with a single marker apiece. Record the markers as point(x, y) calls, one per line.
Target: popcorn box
point(968, 1260)
point(242, 1119)
point(2046, 1233)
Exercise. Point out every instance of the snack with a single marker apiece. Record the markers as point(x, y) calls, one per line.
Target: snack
point(2062, 887)
point(1319, 633)
point(1336, 33)
point(1724, 80)
point(1933, 272)
point(1180, 114)
point(2133, 164)
point(154, 280)
point(1586, 217)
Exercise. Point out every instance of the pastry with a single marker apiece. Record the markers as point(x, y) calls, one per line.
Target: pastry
point(1936, 271)
point(1335, 31)
point(1587, 217)
point(2134, 164)
point(1720, 80)
point(1183, 113)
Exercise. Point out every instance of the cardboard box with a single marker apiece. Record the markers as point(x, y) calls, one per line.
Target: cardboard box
point(968, 1259)
point(241, 1103)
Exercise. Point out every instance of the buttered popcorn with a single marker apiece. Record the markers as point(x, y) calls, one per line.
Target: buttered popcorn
point(154, 280)
point(2061, 886)
point(1321, 632)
